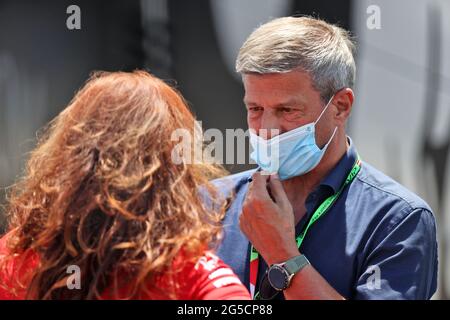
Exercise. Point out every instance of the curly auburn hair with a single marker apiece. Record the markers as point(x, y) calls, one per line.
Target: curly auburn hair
point(101, 191)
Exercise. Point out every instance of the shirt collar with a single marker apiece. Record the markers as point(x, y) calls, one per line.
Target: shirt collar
point(339, 173)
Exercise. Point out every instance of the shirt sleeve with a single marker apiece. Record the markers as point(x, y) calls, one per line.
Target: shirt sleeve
point(212, 279)
point(15, 271)
point(404, 263)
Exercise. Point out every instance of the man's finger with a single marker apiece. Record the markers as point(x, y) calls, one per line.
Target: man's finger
point(259, 184)
point(277, 190)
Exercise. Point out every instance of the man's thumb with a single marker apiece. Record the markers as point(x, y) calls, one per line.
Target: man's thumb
point(277, 190)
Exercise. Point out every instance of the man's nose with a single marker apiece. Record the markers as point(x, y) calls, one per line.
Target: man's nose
point(270, 126)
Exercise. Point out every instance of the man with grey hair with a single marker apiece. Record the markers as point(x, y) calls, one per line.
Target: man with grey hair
point(314, 221)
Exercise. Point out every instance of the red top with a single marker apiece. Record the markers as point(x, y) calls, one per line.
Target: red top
point(208, 279)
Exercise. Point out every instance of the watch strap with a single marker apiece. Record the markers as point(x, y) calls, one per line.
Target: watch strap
point(295, 264)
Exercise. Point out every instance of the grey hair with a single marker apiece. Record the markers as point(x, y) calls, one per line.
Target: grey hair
point(323, 50)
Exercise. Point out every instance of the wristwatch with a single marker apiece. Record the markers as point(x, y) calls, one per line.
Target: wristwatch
point(280, 274)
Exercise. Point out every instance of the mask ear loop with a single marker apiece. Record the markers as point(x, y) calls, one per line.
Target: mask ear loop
point(332, 136)
point(324, 109)
point(320, 116)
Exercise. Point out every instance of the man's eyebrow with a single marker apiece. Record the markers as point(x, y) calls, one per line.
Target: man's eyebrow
point(250, 103)
point(295, 101)
point(291, 103)
point(288, 103)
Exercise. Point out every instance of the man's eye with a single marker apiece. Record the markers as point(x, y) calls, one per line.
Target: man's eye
point(255, 109)
point(287, 110)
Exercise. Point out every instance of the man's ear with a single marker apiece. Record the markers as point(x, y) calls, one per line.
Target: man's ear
point(343, 100)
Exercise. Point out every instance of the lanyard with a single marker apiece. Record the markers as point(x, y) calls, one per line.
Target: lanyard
point(321, 210)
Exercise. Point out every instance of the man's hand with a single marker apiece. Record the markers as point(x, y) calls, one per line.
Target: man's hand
point(267, 219)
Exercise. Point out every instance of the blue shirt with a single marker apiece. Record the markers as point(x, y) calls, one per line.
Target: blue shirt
point(378, 241)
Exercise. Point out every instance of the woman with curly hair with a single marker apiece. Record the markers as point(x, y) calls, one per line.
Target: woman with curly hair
point(101, 192)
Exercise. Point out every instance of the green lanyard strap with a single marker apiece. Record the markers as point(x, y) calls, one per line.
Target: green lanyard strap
point(328, 203)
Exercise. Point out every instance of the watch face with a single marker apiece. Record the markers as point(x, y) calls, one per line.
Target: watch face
point(278, 277)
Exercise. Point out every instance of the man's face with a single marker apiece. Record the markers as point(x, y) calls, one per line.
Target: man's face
point(285, 101)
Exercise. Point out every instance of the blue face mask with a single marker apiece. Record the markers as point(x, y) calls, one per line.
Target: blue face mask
point(290, 154)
